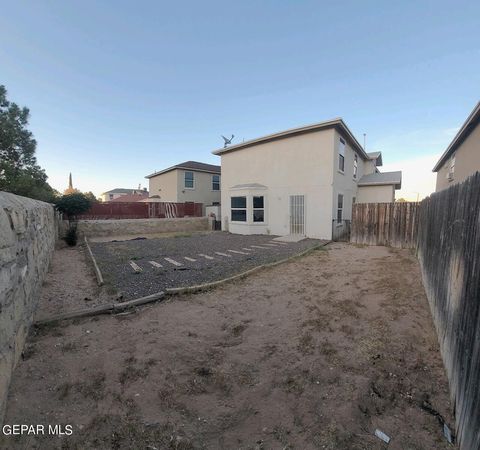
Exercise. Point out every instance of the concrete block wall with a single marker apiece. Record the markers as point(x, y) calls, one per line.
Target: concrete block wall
point(134, 227)
point(28, 232)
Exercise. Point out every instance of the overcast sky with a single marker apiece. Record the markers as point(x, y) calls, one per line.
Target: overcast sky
point(120, 89)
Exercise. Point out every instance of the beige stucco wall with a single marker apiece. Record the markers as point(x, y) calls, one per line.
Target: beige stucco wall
point(28, 231)
point(467, 161)
point(202, 191)
point(376, 194)
point(344, 183)
point(165, 186)
point(298, 165)
point(170, 186)
point(369, 167)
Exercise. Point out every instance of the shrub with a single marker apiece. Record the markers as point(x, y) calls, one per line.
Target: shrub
point(73, 204)
point(71, 237)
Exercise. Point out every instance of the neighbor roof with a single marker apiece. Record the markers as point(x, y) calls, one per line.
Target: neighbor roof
point(124, 191)
point(190, 165)
point(129, 198)
point(379, 179)
point(469, 125)
point(377, 156)
point(337, 123)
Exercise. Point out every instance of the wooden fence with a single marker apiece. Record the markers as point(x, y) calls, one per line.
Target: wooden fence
point(448, 248)
point(445, 231)
point(142, 210)
point(391, 224)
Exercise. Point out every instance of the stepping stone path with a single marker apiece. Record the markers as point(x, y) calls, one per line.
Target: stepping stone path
point(231, 253)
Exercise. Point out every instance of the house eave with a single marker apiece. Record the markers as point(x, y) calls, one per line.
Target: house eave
point(469, 125)
point(336, 123)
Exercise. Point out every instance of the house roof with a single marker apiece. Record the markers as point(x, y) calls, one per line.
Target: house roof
point(129, 198)
point(190, 165)
point(124, 191)
point(377, 156)
point(470, 124)
point(382, 179)
point(337, 123)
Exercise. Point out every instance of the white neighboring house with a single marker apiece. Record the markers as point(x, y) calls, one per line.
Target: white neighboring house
point(301, 181)
point(190, 181)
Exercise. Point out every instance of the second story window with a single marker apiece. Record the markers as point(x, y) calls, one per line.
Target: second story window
point(341, 155)
point(355, 166)
point(451, 169)
point(189, 180)
point(215, 182)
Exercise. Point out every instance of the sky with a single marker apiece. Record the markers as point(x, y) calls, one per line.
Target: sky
point(118, 89)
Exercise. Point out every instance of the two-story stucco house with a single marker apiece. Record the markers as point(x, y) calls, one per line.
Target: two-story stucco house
point(462, 157)
point(301, 181)
point(190, 181)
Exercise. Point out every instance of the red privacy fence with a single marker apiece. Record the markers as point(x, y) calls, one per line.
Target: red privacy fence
point(142, 210)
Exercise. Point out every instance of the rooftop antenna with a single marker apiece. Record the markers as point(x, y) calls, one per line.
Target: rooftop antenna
point(227, 141)
point(364, 141)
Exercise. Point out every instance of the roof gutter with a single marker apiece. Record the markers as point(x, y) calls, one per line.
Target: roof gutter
point(337, 123)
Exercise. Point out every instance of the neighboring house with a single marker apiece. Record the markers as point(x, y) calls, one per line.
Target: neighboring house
point(116, 194)
point(462, 157)
point(190, 181)
point(300, 181)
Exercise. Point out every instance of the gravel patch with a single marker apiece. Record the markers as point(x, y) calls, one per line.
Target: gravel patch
point(191, 260)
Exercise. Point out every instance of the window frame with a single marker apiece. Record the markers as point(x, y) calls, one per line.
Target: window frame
point(340, 208)
point(232, 208)
point(185, 179)
point(355, 166)
point(451, 169)
point(258, 209)
point(215, 182)
point(341, 155)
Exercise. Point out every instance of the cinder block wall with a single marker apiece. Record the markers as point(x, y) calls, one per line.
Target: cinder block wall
point(91, 228)
point(28, 232)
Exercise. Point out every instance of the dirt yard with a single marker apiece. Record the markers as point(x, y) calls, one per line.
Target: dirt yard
point(315, 353)
point(71, 284)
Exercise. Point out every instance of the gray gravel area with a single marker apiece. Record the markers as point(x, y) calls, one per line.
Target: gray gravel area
point(114, 259)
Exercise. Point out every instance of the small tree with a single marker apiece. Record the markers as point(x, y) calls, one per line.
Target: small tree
point(71, 205)
point(19, 172)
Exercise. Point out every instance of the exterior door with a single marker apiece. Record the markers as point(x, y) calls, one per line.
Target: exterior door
point(297, 214)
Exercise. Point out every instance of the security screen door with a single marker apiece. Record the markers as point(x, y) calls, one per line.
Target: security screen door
point(297, 214)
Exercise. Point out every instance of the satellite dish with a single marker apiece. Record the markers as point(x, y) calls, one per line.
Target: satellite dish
point(227, 141)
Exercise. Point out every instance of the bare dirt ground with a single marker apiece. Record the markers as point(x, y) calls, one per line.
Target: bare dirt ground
point(315, 353)
point(70, 284)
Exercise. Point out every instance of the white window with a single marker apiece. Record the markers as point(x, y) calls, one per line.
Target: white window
point(258, 209)
point(355, 165)
point(451, 170)
point(239, 209)
point(341, 155)
point(340, 209)
point(215, 182)
point(189, 180)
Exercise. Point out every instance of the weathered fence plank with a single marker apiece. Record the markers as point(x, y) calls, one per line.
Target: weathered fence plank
point(392, 224)
point(142, 210)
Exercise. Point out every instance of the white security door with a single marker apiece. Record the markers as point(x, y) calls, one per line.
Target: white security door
point(297, 214)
